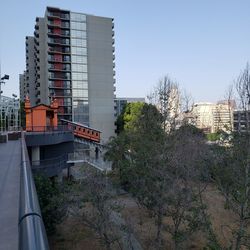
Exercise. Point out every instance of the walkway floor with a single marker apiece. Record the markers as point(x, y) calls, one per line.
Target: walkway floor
point(10, 161)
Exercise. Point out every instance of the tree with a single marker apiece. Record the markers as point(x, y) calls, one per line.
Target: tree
point(187, 155)
point(98, 209)
point(52, 200)
point(127, 119)
point(167, 98)
point(232, 174)
point(163, 172)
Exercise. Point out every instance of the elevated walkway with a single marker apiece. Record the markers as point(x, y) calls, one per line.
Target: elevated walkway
point(10, 162)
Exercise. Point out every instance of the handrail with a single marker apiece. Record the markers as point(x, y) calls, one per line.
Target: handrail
point(32, 234)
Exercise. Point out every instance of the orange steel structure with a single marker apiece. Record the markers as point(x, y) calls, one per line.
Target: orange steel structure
point(41, 117)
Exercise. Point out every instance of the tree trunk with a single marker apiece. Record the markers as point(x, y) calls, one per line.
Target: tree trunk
point(159, 228)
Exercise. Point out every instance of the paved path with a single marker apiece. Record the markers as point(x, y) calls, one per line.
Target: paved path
point(10, 161)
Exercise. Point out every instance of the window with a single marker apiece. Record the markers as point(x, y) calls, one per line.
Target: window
point(78, 25)
point(79, 59)
point(80, 84)
point(77, 17)
point(80, 93)
point(79, 67)
point(79, 51)
point(79, 76)
point(78, 33)
point(78, 42)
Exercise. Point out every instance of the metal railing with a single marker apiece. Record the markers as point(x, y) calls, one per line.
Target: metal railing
point(48, 128)
point(32, 234)
point(98, 163)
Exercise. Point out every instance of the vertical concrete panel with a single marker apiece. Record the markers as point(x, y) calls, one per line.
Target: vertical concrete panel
point(35, 155)
point(100, 75)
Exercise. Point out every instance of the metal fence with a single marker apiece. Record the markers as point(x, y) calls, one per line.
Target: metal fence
point(98, 163)
point(47, 128)
point(32, 234)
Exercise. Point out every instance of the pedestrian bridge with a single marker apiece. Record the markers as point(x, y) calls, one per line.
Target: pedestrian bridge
point(20, 216)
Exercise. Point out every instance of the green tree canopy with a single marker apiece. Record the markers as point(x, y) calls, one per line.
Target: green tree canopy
point(127, 119)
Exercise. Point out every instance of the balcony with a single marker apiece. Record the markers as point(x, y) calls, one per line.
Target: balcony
point(59, 76)
point(58, 93)
point(60, 84)
point(62, 67)
point(58, 15)
point(63, 50)
point(59, 23)
point(59, 41)
point(59, 32)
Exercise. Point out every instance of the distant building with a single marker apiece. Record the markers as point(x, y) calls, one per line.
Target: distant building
point(241, 120)
point(223, 115)
point(120, 103)
point(22, 86)
point(212, 117)
point(203, 116)
point(71, 57)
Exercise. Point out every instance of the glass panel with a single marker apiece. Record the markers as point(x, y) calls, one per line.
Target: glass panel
point(78, 33)
point(79, 76)
point(79, 67)
point(79, 51)
point(79, 59)
point(78, 26)
point(77, 17)
point(82, 93)
point(78, 42)
point(80, 84)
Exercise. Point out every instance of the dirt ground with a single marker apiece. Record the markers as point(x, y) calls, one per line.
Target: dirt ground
point(71, 234)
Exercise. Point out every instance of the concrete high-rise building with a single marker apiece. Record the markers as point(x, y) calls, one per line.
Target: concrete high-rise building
point(71, 58)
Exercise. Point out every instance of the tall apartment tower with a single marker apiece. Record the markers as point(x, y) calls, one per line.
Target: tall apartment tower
point(73, 61)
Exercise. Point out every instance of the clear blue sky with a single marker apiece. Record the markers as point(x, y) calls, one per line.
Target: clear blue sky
point(203, 44)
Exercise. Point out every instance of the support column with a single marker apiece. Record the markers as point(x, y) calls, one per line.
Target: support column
point(35, 157)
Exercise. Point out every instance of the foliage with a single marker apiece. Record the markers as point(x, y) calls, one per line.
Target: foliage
point(213, 136)
point(127, 119)
point(163, 171)
point(52, 200)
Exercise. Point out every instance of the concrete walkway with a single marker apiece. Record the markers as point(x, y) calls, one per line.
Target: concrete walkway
point(10, 162)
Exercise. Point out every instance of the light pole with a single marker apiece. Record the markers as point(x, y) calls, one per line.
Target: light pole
point(5, 77)
point(15, 115)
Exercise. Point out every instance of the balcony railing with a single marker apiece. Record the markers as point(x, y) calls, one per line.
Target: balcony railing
point(58, 41)
point(59, 24)
point(59, 33)
point(58, 14)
